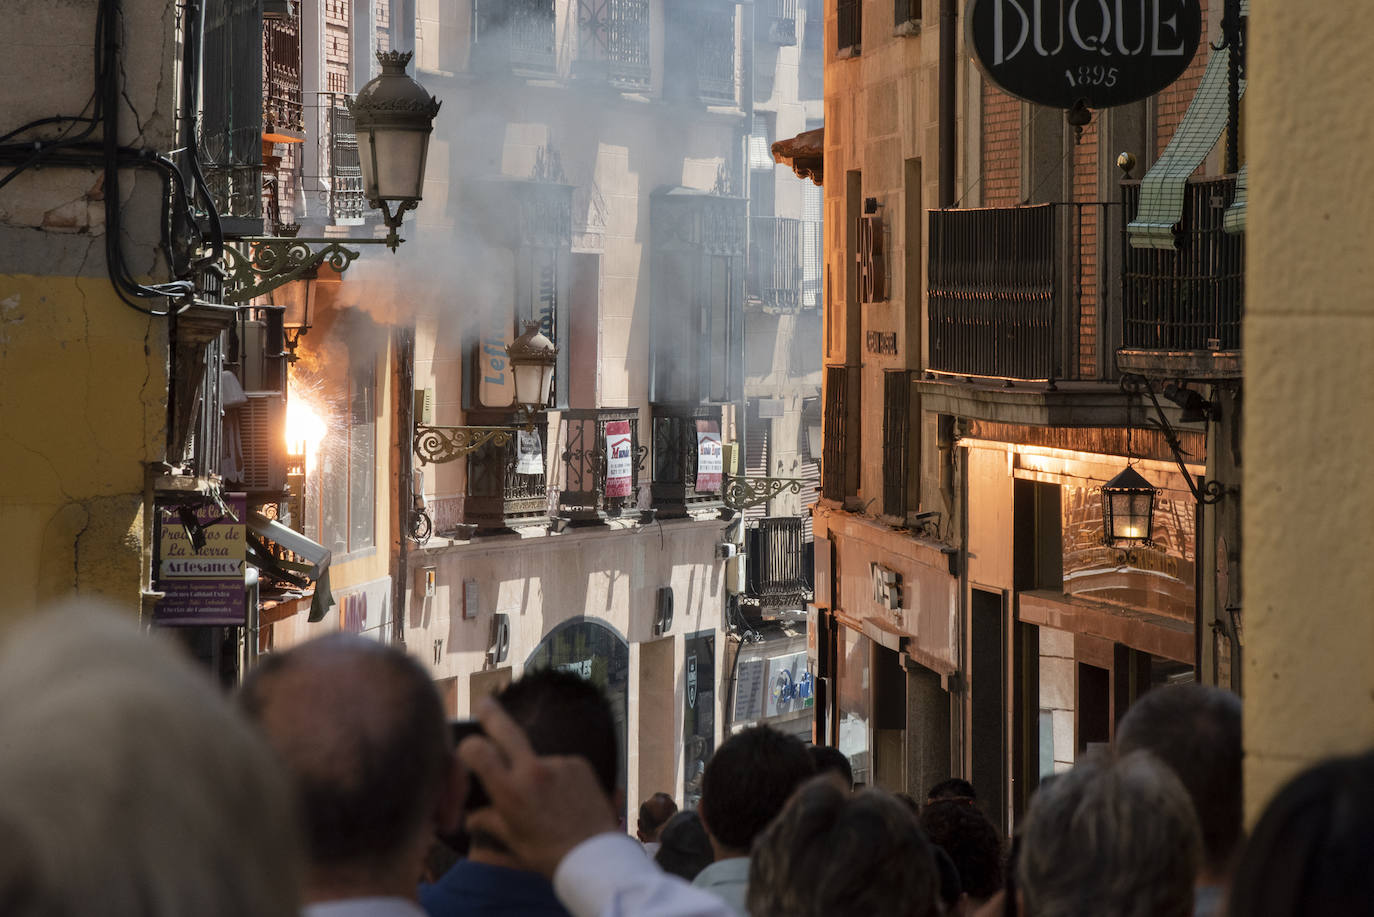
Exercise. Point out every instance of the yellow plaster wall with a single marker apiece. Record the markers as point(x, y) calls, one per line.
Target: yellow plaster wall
point(1309, 362)
point(82, 407)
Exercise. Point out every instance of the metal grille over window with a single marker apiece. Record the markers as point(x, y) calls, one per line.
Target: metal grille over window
point(1162, 189)
point(231, 117)
point(896, 441)
point(346, 204)
point(835, 433)
point(514, 34)
point(701, 58)
point(782, 21)
point(849, 26)
point(613, 42)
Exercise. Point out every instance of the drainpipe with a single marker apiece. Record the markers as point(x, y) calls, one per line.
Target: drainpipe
point(948, 92)
point(403, 352)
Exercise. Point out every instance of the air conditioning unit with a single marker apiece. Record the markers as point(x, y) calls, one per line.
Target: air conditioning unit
point(726, 550)
point(663, 611)
point(262, 432)
point(498, 645)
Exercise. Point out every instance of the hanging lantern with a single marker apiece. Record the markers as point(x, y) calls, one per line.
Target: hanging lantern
point(1128, 503)
point(532, 360)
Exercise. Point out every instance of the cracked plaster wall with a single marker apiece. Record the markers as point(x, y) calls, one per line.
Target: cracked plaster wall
point(83, 380)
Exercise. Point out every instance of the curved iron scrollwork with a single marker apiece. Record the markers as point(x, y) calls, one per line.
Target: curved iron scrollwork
point(274, 262)
point(1209, 492)
point(743, 491)
point(421, 526)
point(437, 445)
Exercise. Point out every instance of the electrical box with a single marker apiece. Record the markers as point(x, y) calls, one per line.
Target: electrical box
point(426, 582)
point(424, 406)
point(730, 457)
point(735, 570)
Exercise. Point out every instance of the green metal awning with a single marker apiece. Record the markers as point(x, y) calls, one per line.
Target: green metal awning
point(1234, 220)
point(1161, 190)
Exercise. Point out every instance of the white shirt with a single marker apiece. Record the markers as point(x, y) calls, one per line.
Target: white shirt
point(609, 876)
point(364, 907)
point(728, 880)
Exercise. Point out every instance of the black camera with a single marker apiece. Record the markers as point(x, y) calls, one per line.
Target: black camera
point(477, 794)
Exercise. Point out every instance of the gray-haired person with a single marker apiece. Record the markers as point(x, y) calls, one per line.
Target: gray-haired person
point(1196, 731)
point(1110, 839)
point(132, 787)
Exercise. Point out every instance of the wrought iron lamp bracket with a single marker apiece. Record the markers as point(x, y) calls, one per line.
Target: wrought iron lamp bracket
point(436, 445)
point(1209, 492)
point(743, 491)
point(272, 262)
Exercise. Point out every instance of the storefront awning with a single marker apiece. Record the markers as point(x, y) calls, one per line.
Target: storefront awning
point(1162, 188)
point(1234, 220)
point(307, 566)
point(804, 153)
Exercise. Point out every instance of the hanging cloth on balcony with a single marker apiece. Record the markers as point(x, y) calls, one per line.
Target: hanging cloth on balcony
point(1234, 220)
point(1161, 190)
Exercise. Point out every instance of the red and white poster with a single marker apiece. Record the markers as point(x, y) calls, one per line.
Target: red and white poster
point(710, 461)
point(619, 458)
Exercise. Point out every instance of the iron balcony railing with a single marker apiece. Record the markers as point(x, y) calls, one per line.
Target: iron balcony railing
point(347, 206)
point(1020, 292)
point(613, 42)
point(281, 73)
point(778, 571)
point(782, 21)
point(780, 255)
point(587, 488)
point(675, 448)
point(1191, 297)
point(896, 441)
point(834, 477)
point(499, 494)
point(849, 25)
point(514, 35)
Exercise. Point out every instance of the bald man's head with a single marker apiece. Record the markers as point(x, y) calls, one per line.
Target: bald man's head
point(362, 732)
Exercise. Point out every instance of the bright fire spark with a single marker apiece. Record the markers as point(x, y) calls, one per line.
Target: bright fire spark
point(305, 426)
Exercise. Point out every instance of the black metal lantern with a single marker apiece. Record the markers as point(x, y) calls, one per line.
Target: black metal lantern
point(532, 359)
point(1128, 504)
point(394, 116)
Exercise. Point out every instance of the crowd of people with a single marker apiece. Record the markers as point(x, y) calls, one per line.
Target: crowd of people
point(332, 787)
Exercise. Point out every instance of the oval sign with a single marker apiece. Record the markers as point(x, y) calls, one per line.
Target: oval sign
point(1098, 52)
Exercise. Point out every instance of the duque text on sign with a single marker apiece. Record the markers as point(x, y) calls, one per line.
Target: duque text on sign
point(1099, 53)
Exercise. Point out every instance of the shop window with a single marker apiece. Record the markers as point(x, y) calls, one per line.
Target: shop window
point(343, 481)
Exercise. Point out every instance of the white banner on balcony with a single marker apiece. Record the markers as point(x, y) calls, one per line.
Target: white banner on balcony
point(710, 457)
point(619, 458)
point(530, 453)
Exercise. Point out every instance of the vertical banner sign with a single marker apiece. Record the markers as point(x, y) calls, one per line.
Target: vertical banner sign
point(699, 711)
point(495, 384)
point(530, 453)
point(710, 460)
point(205, 585)
point(619, 458)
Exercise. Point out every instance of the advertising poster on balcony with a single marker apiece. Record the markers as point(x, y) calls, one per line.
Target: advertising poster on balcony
point(619, 458)
point(495, 384)
point(530, 452)
point(710, 457)
point(200, 559)
point(789, 685)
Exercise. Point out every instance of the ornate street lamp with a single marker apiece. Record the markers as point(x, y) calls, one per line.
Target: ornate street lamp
point(1128, 502)
point(394, 116)
point(532, 360)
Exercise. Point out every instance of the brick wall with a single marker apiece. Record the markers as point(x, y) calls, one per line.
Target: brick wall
point(1173, 101)
point(1001, 148)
